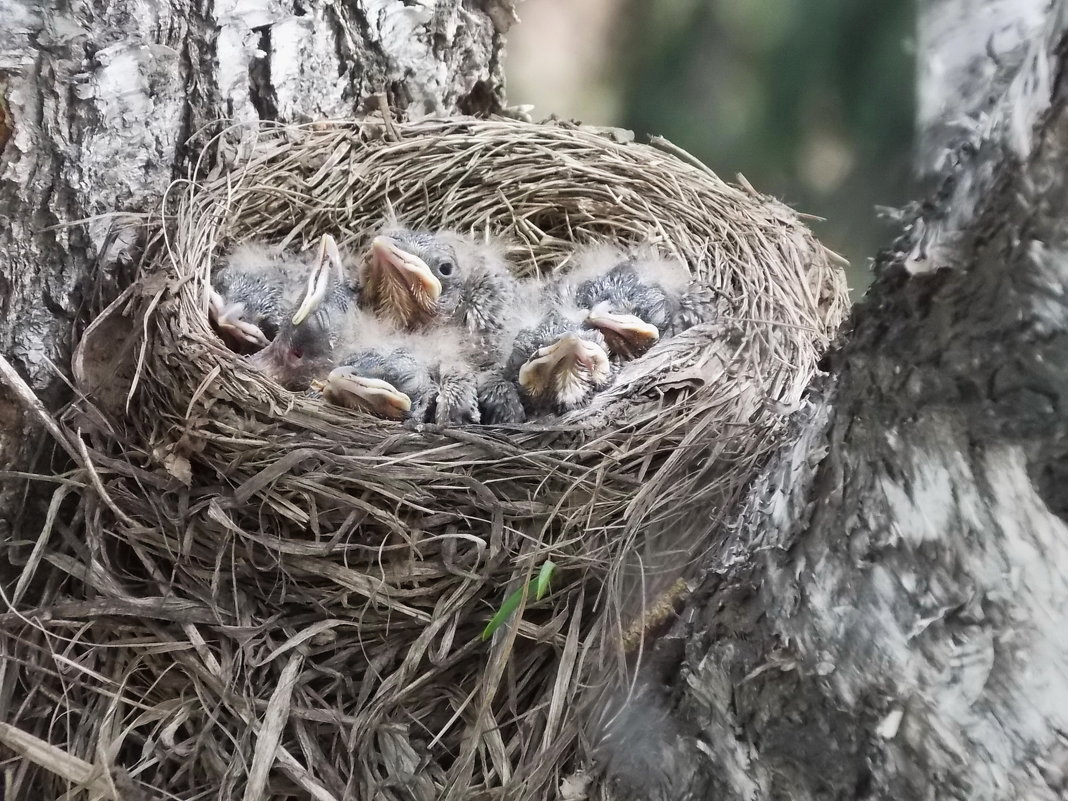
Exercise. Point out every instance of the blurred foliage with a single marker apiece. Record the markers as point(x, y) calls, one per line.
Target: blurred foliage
point(811, 100)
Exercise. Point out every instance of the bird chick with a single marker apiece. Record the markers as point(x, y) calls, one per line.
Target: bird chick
point(534, 302)
point(324, 325)
point(499, 401)
point(556, 364)
point(417, 280)
point(623, 308)
point(418, 377)
point(564, 374)
point(634, 299)
point(251, 293)
point(379, 382)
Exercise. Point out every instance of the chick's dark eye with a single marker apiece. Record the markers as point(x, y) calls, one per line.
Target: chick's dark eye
point(296, 353)
point(446, 268)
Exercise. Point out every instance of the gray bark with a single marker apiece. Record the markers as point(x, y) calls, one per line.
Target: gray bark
point(99, 105)
point(968, 51)
point(888, 618)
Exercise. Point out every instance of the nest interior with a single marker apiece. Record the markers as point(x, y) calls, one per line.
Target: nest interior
point(251, 594)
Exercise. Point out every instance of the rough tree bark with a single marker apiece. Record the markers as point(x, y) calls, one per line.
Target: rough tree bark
point(97, 103)
point(888, 619)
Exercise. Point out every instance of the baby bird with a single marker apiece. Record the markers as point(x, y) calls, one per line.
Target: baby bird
point(417, 377)
point(418, 280)
point(379, 382)
point(563, 374)
point(251, 293)
point(555, 362)
point(635, 299)
point(324, 326)
point(623, 308)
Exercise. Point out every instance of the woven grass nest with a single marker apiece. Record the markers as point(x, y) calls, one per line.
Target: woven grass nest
point(290, 598)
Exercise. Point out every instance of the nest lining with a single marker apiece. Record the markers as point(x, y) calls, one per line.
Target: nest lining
point(318, 579)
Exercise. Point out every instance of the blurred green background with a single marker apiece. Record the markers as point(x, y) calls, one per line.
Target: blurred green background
point(810, 100)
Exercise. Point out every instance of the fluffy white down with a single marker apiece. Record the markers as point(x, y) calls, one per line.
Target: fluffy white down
point(592, 261)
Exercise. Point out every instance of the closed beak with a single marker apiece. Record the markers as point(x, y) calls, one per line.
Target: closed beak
point(344, 387)
point(320, 279)
point(228, 320)
point(567, 353)
point(637, 333)
point(411, 269)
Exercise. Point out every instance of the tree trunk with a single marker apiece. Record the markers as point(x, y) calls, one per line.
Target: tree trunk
point(888, 619)
point(96, 108)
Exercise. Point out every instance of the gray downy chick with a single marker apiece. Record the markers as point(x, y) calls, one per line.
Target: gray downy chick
point(672, 299)
point(418, 280)
point(421, 378)
point(382, 382)
point(252, 292)
point(325, 325)
point(499, 401)
point(447, 357)
point(556, 364)
point(636, 298)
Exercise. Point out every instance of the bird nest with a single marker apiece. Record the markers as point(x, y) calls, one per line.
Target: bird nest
point(267, 596)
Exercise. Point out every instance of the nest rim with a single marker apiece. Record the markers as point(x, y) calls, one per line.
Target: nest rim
point(470, 514)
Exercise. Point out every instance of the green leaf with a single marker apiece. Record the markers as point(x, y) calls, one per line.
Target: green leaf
point(545, 575)
point(511, 603)
point(539, 586)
